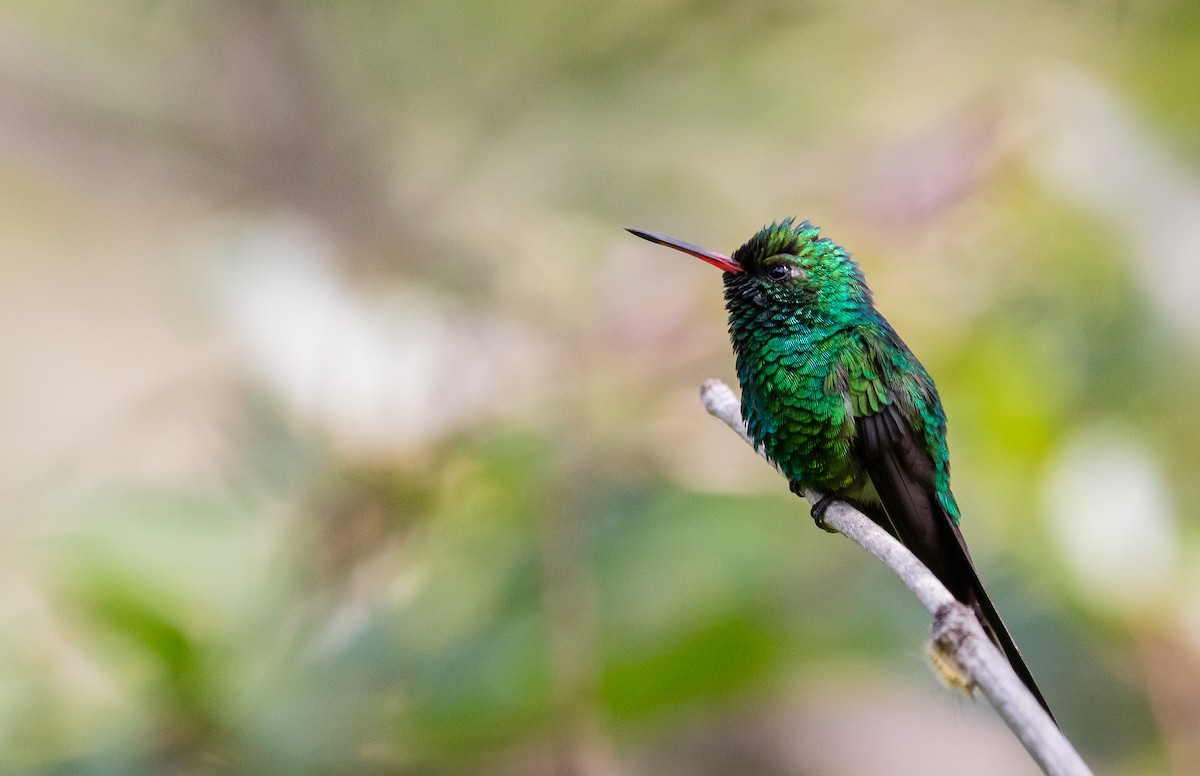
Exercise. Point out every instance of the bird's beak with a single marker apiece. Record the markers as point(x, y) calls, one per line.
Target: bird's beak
point(718, 260)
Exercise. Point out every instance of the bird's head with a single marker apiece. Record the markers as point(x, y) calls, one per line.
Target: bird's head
point(786, 265)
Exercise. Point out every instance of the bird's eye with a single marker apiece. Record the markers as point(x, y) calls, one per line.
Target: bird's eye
point(779, 272)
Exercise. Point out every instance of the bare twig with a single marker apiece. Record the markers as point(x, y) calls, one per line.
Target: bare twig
point(957, 635)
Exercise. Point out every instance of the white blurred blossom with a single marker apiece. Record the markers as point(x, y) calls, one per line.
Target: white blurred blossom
point(1096, 152)
point(380, 372)
point(1110, 514)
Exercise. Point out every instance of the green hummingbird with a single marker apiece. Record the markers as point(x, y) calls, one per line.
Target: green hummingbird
point(841, 405)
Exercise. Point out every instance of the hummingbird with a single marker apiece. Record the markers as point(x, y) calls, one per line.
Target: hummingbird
point(841, 405)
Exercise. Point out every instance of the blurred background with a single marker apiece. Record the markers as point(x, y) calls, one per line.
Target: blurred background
point(346, 432)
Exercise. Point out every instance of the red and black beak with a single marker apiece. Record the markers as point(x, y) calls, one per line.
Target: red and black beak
point(718, 260)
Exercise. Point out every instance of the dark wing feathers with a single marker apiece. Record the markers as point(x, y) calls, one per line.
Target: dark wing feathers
point(902, 472)
point(887, 452)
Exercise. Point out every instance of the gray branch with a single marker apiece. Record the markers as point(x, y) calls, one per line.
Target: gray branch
point(961, 651)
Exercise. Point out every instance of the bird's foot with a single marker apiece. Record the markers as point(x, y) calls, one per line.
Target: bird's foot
point(818, 509)
point(818, 512)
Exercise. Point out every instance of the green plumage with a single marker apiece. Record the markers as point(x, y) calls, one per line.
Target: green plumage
point(813, 355)
point(839, 402)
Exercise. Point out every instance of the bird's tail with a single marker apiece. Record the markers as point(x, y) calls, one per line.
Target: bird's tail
point(915, 517)
point(977, 598)
point(902, 475)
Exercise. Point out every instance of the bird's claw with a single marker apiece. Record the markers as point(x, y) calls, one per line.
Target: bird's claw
point(818, 512)
point(818, 509)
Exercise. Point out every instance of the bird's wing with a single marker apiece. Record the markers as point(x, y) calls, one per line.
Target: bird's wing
point(899, 439)
point(900, 442)
point(902, 470)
